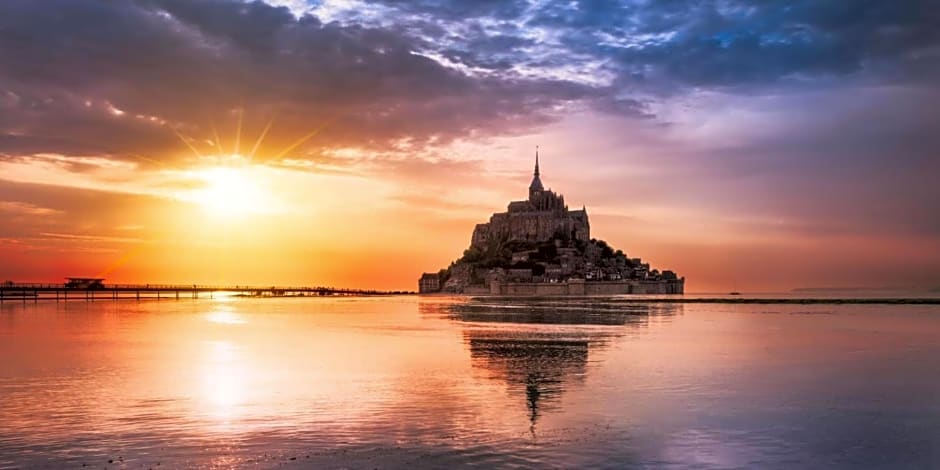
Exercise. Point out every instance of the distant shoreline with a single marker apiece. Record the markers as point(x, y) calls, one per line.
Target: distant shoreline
point(859, 289)
point(767, 301)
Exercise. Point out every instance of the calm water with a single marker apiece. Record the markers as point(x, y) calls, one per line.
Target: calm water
point(409, 382)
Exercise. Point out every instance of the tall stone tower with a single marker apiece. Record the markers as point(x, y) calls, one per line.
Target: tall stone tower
point(536, 188)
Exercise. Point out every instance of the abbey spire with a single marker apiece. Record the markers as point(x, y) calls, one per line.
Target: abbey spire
point(536, 160)
point(536, 186)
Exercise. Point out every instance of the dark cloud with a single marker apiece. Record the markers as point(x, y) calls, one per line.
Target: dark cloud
point(743, 42)
point(656, 46)
point(184, 63)
point(805, 117)
point(460, 10)
point(118, 78)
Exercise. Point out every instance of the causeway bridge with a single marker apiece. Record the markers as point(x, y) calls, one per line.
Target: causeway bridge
point(34, 292)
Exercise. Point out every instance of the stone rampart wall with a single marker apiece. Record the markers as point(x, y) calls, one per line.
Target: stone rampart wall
point(579, 287)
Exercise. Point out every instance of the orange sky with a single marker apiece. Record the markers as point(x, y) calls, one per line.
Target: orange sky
point(379, 224)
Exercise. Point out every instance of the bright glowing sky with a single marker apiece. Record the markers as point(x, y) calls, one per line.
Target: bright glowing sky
point(764, 145)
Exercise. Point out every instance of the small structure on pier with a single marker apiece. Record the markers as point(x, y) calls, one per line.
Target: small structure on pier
point(84, 283)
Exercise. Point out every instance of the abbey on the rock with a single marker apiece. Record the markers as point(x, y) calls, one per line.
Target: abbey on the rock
point(543, 216)
point(540, 247)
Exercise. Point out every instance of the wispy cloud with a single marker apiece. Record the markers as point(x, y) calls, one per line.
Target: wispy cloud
point(25, 208)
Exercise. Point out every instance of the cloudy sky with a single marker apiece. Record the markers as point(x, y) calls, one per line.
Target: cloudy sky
point(764, 145)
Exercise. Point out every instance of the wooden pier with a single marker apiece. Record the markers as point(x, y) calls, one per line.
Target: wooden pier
point(34, 292)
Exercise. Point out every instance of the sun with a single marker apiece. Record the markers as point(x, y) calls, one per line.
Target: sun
point(230, 191)
point(234, 184)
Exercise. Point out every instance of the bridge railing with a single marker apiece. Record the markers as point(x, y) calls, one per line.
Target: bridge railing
point(189, 287)
point(43, 285)
point(30, 285)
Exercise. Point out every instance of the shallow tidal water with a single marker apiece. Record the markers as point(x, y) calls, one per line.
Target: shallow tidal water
point(441, 382)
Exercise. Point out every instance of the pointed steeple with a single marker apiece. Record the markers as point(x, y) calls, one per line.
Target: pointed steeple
point(536, 160)
point(536, 186)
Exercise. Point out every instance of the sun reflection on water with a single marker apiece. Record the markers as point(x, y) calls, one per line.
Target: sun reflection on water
point(225, 316)
point(223, 380)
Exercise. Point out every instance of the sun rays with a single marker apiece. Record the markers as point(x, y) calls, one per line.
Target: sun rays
point(218, 148)
point(254, 148)
point(229, 181)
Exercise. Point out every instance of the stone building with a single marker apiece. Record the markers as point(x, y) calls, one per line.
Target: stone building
point(429, 282)
point(541, 217)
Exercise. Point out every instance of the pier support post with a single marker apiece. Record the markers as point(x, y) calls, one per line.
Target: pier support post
point(138, 296)
point(177, 295)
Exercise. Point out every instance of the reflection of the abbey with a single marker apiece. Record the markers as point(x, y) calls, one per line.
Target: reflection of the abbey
point(540, 347)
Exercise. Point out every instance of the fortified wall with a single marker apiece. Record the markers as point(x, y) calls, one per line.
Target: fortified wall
point(581, 287)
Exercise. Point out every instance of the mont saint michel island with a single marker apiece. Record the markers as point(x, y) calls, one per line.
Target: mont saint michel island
point(539, 246)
